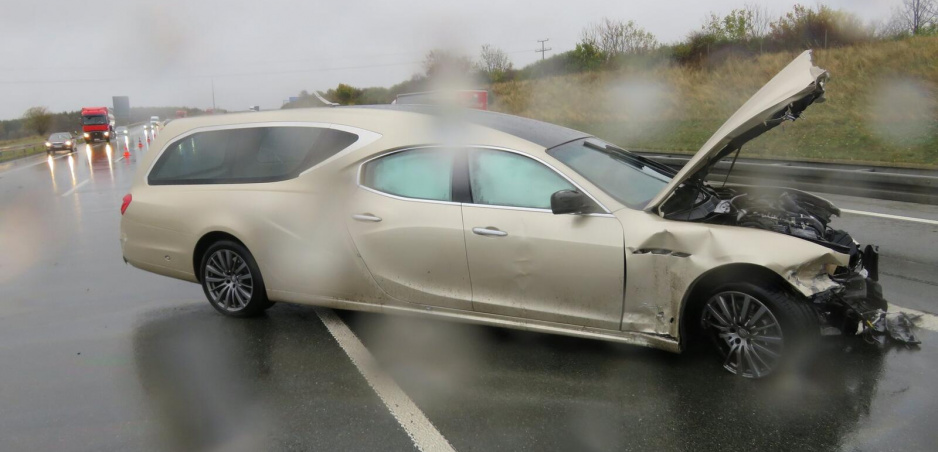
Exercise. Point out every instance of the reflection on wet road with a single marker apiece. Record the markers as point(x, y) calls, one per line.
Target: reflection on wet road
point(487, 389)
point(95, 355)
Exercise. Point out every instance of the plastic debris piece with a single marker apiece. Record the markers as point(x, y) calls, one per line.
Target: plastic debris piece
point(880, 326)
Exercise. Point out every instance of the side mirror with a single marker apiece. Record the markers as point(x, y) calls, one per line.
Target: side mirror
point(572, 201)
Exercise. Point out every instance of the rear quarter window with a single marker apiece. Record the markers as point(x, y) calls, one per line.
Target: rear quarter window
point(246, 155)
point(418, 174)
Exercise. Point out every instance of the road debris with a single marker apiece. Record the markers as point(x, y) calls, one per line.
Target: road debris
point(880, 326)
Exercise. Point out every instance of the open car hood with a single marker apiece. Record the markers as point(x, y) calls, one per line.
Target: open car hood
point(798, 85)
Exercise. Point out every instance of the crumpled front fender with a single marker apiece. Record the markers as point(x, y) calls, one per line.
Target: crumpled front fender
point(812, 277)
point(664, 259)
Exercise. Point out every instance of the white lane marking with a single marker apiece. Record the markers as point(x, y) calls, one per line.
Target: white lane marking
point(891, 217)
point(420, 430)
point(40, 162)
point(76, 187)
point(926, 321)
point(122, 158)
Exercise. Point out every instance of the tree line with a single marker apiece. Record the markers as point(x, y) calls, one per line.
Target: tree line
point(40, 121)
point(613, 43)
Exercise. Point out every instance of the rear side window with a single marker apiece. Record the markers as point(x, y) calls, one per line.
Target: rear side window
point(419, 174)
point(247, 155)
point(200, 156)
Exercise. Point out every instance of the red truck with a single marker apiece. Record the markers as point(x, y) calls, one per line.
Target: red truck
point(97, 123)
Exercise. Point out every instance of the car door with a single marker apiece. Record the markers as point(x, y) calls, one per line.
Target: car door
point(524, 261)
point(408, 230)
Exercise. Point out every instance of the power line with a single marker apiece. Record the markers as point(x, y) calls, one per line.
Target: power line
point(223, 75)
point(232, 74)
point(542, 50)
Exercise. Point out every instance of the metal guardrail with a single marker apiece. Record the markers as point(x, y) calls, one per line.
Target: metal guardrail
point(895, 184)
point(23, 150)
point(20, 150)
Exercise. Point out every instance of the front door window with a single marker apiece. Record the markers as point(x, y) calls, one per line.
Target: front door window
point(507, 179)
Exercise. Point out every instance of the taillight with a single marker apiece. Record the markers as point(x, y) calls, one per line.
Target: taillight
point(126, 203)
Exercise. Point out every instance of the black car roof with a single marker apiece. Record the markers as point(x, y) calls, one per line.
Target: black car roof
point(538, 132)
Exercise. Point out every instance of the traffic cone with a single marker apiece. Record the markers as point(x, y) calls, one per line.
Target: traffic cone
point(126, 153)
point(148, 139)
point(139, 143)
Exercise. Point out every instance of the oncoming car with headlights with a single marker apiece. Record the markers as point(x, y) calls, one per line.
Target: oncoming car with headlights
point(60, 141)
point(500, 220)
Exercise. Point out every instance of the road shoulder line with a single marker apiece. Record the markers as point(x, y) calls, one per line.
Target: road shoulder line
point(420, 430)
point(29, 165)
point(925, 321)
point(891, 217)
point(76, 187)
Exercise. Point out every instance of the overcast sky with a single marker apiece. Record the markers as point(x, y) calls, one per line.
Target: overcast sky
point(64, 54)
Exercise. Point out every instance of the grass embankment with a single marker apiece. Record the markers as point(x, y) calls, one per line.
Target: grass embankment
point(881, 108)
point(20, 141)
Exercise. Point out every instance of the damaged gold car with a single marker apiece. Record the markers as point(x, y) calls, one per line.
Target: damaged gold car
point(503, 221)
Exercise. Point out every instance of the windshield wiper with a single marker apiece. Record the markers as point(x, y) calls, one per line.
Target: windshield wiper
point(629, 158)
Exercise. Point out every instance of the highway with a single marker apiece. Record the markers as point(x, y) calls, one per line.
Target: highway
point(96, 355)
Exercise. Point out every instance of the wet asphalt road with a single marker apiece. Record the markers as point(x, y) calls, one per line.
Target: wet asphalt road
point(96, 355)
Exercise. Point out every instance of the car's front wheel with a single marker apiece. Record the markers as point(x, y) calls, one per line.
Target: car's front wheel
point(757, 330)
point(232, 281)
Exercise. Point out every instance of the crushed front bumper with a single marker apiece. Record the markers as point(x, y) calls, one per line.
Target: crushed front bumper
point(857, 306)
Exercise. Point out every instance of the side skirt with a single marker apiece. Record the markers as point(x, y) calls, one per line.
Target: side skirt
point(660, 342)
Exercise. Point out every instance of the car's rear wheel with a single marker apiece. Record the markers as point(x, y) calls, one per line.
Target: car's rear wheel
point(232, 281)
point(757, 330)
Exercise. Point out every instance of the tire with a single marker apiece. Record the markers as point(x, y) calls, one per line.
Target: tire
point(752, 342)
point(231, 280)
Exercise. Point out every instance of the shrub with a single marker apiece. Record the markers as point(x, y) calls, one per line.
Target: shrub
point(585, 57)
point(823, 26)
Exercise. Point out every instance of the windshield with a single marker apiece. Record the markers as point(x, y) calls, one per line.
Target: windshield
point(626, 177)
point(94, 120)
point(59, 136)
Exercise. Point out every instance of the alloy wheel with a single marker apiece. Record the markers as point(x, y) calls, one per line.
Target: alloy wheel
point(228, 280)
point(746, 333)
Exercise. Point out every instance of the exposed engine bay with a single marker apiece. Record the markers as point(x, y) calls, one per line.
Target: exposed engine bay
point(856, 305)
point(782, 210)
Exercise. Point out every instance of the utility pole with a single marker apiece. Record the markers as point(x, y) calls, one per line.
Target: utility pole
point(213, 94)
point(542, 50)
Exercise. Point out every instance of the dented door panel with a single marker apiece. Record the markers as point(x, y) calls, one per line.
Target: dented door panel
point(559, 268)
point(415, 250)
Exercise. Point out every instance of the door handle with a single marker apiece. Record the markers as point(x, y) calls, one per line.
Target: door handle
point(366, 217)
point(489, 232)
